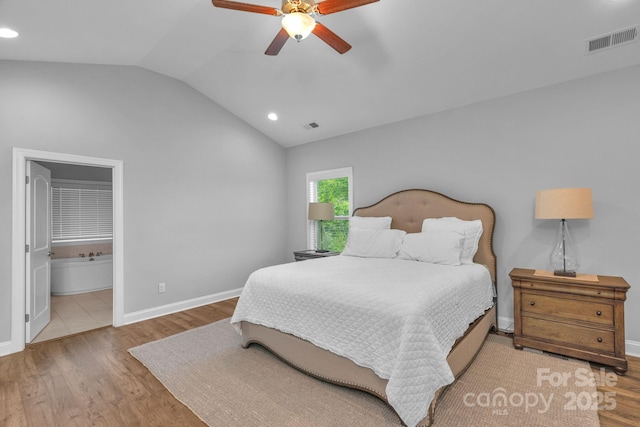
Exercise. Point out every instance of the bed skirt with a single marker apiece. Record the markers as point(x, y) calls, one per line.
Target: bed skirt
point(328, 366)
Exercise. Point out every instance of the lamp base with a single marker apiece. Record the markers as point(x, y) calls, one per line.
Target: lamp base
point(564, 273)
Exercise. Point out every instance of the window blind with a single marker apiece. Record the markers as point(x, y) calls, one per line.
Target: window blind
point(81, 212)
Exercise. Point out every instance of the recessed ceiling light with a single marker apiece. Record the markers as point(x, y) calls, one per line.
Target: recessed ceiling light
point(8, 33)
point(272, 116)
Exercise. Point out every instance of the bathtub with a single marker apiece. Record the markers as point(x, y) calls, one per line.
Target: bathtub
point(79, 275)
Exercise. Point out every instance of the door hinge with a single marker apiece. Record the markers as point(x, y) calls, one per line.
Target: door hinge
point(26, 181)
point(26, 248)
point(26, 318)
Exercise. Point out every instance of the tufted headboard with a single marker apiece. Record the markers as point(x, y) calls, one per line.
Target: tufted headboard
point(408, 208)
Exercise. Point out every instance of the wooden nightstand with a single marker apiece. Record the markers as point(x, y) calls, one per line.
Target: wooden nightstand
point(309, 254)
point(571, 316)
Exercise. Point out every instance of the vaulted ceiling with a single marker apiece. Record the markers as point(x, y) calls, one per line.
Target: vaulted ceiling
point(409, 57)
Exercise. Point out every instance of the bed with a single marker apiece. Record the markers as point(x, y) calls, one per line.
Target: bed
point(348, 336)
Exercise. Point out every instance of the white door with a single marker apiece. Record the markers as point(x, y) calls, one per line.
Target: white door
point(38, 210)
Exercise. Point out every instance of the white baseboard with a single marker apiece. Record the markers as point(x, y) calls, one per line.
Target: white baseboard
point(632, 348)
point(163, 310)
point(505, 324)
point(7, 348)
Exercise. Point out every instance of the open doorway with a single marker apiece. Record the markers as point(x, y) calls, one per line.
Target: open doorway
point(81, 250)
point(20, 309)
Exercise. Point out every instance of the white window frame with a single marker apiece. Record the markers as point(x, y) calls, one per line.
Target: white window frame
point(312, 197)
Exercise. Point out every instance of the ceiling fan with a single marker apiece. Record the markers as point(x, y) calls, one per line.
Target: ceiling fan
point(298, 21)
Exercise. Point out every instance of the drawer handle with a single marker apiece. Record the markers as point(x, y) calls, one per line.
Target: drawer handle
point(532, 303)
point(599, 313)
point(599, 339)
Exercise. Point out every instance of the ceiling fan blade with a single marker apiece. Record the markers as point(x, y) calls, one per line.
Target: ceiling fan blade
point(331, 38)
point(277, 43)
point(331, 6)
point(246, 7)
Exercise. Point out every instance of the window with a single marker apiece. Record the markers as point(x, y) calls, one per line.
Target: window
point(331, 186)
point(81, 210)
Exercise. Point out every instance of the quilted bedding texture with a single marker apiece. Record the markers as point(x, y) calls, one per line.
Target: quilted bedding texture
point(399, 318)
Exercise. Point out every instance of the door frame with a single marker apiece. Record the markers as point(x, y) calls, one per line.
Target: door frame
point(19, 224)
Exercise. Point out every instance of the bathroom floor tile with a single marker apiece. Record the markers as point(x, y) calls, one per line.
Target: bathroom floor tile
point(71, 314)
point(106, 296)
point(92, 304)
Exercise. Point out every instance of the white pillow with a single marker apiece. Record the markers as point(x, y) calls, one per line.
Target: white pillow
point(472, 231)
point(373, 243)
point(435, 246)
point(371, 222)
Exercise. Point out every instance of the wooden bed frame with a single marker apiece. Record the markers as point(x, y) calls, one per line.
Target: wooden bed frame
point(407, 209)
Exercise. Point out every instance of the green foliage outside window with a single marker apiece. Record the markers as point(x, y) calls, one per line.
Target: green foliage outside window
point(335, 232)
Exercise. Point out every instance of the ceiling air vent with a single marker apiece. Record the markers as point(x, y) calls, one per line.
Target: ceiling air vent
point(610, 40)
point(311, 125)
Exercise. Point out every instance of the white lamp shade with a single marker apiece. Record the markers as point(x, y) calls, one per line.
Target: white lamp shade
point(564, 203)
point(320, 211)
point(298, 25)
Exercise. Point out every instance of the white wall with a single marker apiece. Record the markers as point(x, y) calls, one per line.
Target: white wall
point(584, 133)
point(193, 175)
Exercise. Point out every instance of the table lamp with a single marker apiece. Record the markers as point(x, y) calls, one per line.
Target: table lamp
point(320, 212)
point(564, 204)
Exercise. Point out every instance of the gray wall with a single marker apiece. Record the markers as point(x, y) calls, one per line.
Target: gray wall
point(193, 175)
point(584, 133)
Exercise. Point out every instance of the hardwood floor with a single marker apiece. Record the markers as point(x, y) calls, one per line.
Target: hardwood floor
point(90, 379)
point(627, 396)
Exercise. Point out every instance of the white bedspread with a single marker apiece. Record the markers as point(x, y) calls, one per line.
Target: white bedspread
point(400, 318)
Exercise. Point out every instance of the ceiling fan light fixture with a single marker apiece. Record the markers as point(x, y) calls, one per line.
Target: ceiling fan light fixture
point(298, 25)
point(8, 33)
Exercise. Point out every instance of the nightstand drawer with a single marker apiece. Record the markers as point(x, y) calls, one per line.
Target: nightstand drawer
point(566, 308)
point(567, 288)
point(565, 334)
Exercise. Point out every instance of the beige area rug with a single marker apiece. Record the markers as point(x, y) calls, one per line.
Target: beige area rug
point(226, 385)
